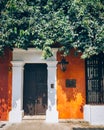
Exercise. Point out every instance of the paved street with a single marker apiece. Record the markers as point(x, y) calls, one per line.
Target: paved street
point(42, 125)
point(35, 125)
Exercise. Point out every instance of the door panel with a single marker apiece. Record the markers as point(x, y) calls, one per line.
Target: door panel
point(35, 89)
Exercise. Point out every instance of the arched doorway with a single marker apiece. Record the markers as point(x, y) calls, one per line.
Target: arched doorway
point(35, 89)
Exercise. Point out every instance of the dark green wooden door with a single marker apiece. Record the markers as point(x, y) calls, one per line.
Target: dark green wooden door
point(35, 89)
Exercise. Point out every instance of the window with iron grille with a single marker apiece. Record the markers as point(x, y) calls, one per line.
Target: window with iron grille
point(95, 79)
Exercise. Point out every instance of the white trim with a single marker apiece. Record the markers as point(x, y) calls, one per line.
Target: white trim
point(94, 114)
point(33, 56)
point(51, 113)
point(20, 57)
point(16, 113)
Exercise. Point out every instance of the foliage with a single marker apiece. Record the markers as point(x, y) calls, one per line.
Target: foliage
point(88, 25)
point(46, 23)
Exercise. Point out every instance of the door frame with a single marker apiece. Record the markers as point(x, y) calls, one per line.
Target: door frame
point(20, 58)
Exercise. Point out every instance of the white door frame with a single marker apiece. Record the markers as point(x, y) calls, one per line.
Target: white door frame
point(20, 58)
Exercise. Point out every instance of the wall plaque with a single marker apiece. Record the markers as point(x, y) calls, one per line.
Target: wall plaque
point(70, 83)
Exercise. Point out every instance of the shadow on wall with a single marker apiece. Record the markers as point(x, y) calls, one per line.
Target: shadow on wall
point(70, 105)
point(71, 100)
point(5, 92)
point(5, 85)
point(3, 108)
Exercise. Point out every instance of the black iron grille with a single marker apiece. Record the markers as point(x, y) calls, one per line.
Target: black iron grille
point(95, 79)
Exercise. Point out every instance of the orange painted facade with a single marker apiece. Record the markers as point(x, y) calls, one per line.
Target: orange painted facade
point(70, 101)
point(5, 85)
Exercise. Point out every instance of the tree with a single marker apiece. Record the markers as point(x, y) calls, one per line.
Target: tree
point(87, 19)
point(46, 23)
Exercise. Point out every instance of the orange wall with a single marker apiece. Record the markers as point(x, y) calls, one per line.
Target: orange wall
point(5, 85)
point(70, 101)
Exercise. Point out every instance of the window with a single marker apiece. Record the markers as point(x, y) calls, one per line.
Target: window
point(95, 79)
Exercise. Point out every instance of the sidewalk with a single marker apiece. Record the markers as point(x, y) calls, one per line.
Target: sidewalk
point(42, 125)
point(35, 125)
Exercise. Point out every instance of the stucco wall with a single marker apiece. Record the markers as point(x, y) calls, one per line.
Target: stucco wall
point(5, 85)
point(70, 101)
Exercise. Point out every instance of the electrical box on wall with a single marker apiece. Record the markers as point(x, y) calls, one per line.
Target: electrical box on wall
point(70, 83)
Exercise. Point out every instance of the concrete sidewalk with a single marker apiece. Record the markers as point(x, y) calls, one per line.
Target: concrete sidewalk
point(35, 125)
point(42, 125)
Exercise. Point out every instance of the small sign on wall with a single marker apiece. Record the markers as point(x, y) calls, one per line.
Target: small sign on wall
point(70, 83)
point(52, 85)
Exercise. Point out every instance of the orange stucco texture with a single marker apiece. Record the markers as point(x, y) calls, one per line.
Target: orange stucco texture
point(70, 100)
point(5, 85)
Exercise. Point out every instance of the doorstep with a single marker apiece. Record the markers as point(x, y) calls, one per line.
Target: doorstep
point(37, 117)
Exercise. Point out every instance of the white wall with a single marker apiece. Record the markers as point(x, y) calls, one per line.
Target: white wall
point(94, 114)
